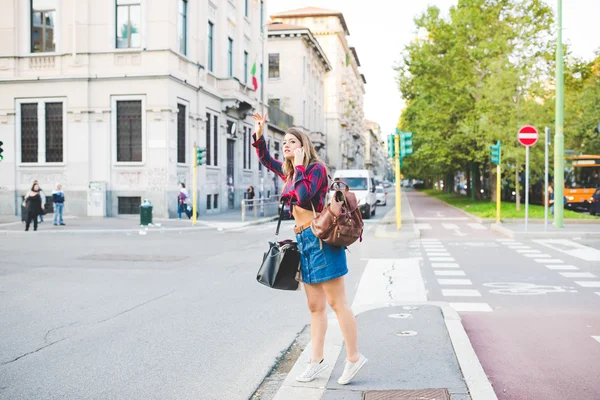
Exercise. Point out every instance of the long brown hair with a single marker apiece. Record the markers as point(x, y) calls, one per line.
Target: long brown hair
point(310, 154)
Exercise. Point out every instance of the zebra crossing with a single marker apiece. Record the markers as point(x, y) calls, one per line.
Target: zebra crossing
point(426, 226)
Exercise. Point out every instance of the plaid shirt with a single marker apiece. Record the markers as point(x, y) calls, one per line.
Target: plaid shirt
point(307, 185)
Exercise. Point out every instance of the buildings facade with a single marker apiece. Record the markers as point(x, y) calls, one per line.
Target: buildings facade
point(375, 150)
point(109, 99)
point(344, 85)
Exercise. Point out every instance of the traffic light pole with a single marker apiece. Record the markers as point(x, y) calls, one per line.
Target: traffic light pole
point(398, 193)
point(195, 183)
point(559, 139)
point(498, 198)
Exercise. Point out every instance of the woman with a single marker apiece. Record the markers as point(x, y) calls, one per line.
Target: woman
point(322, 266)
point(33, 206)
point(250, 196)
point(182, 199)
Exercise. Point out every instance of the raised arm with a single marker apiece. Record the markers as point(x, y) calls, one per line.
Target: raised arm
point(261, 147)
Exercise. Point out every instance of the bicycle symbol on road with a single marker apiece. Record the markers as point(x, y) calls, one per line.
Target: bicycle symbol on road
point(524, 289)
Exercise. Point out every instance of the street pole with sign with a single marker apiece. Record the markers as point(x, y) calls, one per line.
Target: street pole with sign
point(546, 145)
point(397, 168)
point(527, 136)
point(496, 158)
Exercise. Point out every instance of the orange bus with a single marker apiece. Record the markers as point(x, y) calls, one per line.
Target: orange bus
point(582, 178)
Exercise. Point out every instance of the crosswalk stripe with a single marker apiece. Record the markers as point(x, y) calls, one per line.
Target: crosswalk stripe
point(519, 247)
point(441, 259)
point(477, 227)
point(505, 240)
point(590, 284)
point(523, 251)
point(450, 226)
point(577, 274)
point(449, 273)
point(464, 282)
point(537, 255)
point(438, 254)
point(597, 338)
point(423, 226)
point(482, 307)
point(444, 265)
point(461, 293)
point(562, 267)
point(548, 260)
point(598, 293)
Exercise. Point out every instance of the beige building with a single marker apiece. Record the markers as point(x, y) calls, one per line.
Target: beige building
point(375, 149)
point(110, 97)
point(296, 79)
point(344, 84)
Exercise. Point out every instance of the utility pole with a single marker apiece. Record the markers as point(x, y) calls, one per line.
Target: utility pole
point(559, 139)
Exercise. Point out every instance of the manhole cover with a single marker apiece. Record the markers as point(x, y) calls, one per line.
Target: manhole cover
point(401, 316)
point(426, 394)
point(131, 257)
point(407, 333)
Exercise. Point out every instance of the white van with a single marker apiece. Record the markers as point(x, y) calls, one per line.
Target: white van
point(362, 184)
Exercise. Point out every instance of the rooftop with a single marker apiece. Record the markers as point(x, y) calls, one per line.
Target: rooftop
point(313, 12)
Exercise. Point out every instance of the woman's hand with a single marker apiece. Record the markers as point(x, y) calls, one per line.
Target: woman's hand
point(298, 157)
point(259, 124)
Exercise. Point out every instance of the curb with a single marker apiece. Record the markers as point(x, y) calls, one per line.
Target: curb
point(204, 226)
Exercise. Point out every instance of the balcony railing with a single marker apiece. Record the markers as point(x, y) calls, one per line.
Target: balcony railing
point(280, 118)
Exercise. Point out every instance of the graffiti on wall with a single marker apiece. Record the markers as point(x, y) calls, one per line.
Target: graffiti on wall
point(45, 179)
point(129, 179)
point(157, 179)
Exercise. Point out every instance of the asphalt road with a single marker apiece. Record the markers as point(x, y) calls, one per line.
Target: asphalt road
point(531, 308)
point(161, 316)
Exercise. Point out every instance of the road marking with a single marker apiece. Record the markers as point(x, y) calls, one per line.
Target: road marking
point(593, 284)
point(481, 307)
point(423, 226)
point(505, 240)
point(571, 248)
point(441, 259)
point(438, 255)
point(598, 293)
point(449, 273)
point(461, 293)
point(443, 218)
point(577, 274)
point(477, 227)
point(562, 267)
point(444, 265)
point(528, 251)
point(433, 246)
point(519, 247)
point(430, 240)
point(537, 255)
point(597, 338)
point(549, 261)
point(450, 226)
point(464, 282)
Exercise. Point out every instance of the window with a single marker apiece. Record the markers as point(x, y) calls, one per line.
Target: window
point(183, 27)
point(247, 147)
point(246, 8)
point(129, 205)
point(275, 103)
point(277, 149)
point(128, 24)
point(274, 65)
point(43, 22)
point(246, 67)
point(208, 202)
point(212, 139)
point(211, 31)
point(216, 201)
point(230, 56)
point(181, 133)
point(41, 129)
point(129, 131)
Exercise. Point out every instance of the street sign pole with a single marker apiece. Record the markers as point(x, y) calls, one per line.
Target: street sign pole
point(398, 193)
point(559, 139)
point(546, 145)
point(194, 180)
point(526, 186)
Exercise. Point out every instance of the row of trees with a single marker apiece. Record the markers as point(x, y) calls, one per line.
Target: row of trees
point(477, 76)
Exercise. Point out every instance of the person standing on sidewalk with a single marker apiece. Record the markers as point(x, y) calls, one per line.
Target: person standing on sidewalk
point(250, 195)
point(33, 206)
point(551, 197)
point(183, 200)
point(43, 197)
point(58, 198)
point(322, 265)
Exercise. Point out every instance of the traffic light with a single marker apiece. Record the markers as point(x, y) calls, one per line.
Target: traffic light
point(200, 155)
point(391, 148)
point(1, 150)
point(406, 144)
point(495, 151)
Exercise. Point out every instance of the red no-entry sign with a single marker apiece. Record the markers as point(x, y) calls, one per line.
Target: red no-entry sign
point(528, 135)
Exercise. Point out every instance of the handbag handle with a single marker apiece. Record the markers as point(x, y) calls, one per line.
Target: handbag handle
point(336, 185)
point(280, 218)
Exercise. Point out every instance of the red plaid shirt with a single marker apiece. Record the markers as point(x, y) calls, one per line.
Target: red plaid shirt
point(307, 184)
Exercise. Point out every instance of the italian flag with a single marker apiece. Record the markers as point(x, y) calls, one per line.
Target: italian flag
point(254, 80)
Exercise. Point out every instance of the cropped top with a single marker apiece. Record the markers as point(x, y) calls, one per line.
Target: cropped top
point(307, 184)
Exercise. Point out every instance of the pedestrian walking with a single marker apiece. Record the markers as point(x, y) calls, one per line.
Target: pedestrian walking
point(322, 265)
point(551, 197)
point(250, 196)
point(183, 201)
point(43, 197)
point(58, 198)
point(33, 207)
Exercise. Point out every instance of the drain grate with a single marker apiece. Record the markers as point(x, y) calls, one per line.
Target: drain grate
point(131, 257)
point(426, 394)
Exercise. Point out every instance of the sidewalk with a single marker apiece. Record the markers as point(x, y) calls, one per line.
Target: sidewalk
point(516, 230)
point(12, 225)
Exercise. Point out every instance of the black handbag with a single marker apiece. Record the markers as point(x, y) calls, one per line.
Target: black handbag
point(280, 263)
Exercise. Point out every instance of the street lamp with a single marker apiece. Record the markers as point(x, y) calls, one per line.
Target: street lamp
point(559, 139)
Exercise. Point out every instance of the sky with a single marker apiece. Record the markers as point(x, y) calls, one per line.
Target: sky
point(380, 29)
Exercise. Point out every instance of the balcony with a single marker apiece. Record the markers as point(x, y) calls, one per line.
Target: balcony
point(280, 118)
point(236, 95)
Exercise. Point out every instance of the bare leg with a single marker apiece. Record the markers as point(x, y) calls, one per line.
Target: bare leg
point(336, 296)
point(318, 319)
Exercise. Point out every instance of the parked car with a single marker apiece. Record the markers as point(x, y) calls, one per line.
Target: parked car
point(595, 203)
point(386, 184)
point(381, 195)
point(362, 184)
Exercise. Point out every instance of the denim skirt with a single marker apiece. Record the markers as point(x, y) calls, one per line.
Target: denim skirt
point(319, 263)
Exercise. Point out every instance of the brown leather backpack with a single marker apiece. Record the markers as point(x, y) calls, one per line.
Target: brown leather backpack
point(340, 223)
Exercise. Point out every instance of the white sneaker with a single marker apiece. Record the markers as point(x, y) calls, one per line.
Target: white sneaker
point(351, 369)
point(311, 371)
